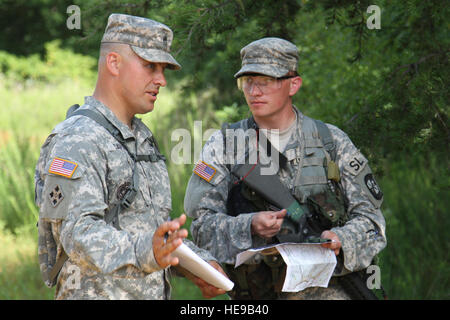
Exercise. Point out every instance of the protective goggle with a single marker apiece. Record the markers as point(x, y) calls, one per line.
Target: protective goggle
point(264, 83)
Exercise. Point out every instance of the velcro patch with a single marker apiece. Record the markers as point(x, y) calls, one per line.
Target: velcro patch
point(356, 164)
point(372, 186)
point(62, 167)
point(204, 170)
point(56, 196)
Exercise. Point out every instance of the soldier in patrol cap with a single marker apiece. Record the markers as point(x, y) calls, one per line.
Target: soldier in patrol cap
point(102, 185)
point(269, 79)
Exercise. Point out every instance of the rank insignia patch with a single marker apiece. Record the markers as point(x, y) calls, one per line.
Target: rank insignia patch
point(62, 167)
point(204, 171)
point(56, 196)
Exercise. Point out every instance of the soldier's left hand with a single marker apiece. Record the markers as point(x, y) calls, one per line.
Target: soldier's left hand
point(163, 247)
point(335, 245)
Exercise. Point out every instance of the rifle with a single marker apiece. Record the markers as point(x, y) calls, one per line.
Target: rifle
point(305, 221)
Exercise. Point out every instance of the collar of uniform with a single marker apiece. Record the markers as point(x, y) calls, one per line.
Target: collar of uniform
point(295, 138)
point(103, 109)
point(141, 130)
point(299, 116)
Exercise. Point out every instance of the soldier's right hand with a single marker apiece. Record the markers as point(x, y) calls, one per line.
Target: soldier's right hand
point(266, 224)
point(163, 247)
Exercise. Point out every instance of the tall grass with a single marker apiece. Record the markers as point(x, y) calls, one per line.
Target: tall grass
point(16, 173)
point(27, 117)
point(19, 268)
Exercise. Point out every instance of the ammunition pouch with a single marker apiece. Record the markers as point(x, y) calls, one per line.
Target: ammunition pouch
point(262, 281)
point(241, 199)
point(355, 285)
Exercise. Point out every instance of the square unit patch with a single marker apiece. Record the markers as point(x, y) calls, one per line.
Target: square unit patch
point(56, 196)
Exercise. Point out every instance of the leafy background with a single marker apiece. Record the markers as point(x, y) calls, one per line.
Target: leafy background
point(387, 88)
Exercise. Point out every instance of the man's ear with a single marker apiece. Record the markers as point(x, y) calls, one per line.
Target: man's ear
point(296, 83)
point(113, 62)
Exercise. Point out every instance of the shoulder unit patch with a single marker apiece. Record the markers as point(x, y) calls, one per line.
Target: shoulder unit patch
point(56, 196)
point(373, 187)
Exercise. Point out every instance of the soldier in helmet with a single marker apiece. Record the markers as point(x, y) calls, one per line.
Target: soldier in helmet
point(102, 185)
point(321, 164)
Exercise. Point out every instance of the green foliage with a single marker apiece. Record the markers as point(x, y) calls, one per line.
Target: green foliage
point(415, 264)
point(58, 64)
point(17, 200)
point(19, 270)
point(28, 24)
point(32, 88)
point(232, 113)
point(407, 108)
point(347, 69)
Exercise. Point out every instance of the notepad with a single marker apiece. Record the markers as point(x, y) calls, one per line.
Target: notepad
point(202, 269)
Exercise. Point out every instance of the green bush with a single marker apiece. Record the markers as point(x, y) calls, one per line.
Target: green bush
point(59, 64)
point(415, 263)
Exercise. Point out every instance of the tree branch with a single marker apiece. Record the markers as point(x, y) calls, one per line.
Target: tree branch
point(192, 28)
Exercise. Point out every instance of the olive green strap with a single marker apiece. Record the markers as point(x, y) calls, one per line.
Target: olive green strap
point(57, 267)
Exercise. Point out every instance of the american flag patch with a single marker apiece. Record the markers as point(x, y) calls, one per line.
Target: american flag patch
point(62, 167)
point(204, 171)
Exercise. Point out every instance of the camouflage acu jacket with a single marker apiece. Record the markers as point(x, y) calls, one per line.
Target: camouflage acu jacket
point(81, 172)
point(362, 237)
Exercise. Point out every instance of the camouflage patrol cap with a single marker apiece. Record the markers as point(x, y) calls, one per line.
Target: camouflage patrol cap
point(149, 39)
point(272, 57)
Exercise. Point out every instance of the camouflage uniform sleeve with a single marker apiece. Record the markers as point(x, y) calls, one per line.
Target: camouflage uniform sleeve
point(363, 236)
point(212, 229)
point(84, 235)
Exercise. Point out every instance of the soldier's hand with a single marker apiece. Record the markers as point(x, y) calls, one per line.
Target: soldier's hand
point(162, 248)
point(208, 290)
point(335, 245)
point(266, 224)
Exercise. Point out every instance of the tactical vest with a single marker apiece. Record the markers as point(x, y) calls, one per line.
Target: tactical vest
point(311, 175)
point(308, 170)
